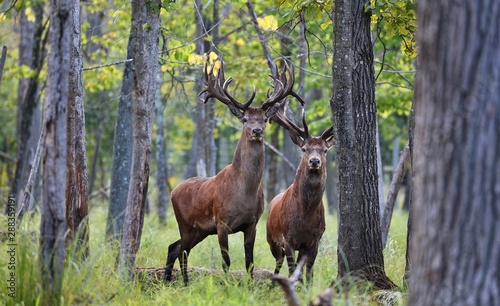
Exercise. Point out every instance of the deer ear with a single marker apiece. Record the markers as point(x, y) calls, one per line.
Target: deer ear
point(296, 139)
point(330, 141)
point(271, 111)
point(236, 112)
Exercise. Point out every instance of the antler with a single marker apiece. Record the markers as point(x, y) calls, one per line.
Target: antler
point(217, 88)
point(283, 87)
point(281, 118)
point(328, 133)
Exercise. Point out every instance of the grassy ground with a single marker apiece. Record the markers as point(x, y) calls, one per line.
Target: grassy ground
point(97, 283)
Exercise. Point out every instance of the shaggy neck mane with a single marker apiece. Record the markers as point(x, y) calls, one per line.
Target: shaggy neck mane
point(309, 186)
point(248, 160)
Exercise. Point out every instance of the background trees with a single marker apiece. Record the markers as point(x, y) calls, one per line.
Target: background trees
point(455, 244)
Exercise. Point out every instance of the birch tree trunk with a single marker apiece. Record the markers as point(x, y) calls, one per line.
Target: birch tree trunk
point(455, 244)
point(76, 164)
point(53, 219)
point(144, 37)
point(354, 116)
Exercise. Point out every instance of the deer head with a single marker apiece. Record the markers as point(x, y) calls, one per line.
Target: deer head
point(314, 148)
point(253, 118)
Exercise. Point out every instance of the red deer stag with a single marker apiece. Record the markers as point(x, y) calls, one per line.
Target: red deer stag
point(233, 200)
point(296, 219)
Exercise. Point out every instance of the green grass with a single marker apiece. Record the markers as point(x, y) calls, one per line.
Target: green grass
point(96, 282)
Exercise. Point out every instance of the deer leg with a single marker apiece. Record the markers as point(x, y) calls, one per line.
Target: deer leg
point(173, 253)
point(183, 260)
point(249, 242)
point(278, 254)
point(311, 258)
point(187, 243)
point(289, 253)
point(222, 234)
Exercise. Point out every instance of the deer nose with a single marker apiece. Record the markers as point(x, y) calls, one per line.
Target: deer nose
point(314, 162)
point(257, 132)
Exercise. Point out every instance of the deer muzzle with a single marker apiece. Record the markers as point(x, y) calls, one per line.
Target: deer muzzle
point(314, 163)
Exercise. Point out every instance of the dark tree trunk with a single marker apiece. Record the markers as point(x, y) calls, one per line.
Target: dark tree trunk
point(76, 165)
point(122, 155)
point(145, 71)
point(53, 219)
point(354, 115)
point(455, 244)
point(31, 50)
point(409, 226)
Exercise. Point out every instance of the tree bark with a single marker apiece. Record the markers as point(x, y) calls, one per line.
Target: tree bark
point(53, 219)
point(32, 54)
point(161, 157)
point(122, 155)
point(409, 226)
point(455, 245)
point(144, 37)
point(76, 164)
point(354, 116)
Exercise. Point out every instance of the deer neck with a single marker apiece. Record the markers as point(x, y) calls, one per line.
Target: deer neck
point(309, 186)
point(248, 160)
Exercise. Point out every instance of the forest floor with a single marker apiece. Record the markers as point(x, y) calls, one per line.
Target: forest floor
point(96, 282)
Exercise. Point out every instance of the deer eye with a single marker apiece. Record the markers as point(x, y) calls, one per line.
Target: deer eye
point(326, 151)
point(303, 149)
point(244, 120)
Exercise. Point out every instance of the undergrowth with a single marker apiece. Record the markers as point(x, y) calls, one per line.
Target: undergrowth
point(96, 281)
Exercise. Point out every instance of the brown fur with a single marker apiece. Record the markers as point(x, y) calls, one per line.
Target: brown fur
point(230, 202)
point(296, 219)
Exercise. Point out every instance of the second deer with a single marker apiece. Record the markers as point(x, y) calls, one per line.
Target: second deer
point(296, 219)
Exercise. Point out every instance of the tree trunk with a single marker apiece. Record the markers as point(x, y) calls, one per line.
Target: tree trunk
point(272, 165)
point(289, 149)
point(397, 179)
point(31, 50)
point(455, 245)
point(205, 112)
point(161, 157)
point(122, 155)
point(144, 32)
point(354, 108)
point(53, 219)
point(76, 165)
point(380, 176)
point(409, 226)
point(97, 139)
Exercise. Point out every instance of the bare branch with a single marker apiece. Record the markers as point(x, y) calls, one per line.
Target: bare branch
point(107, 65)
point(31, 178)
point(397, 179)
point(288, 284)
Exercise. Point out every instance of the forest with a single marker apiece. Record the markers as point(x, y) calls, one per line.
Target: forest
point(278, 152)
